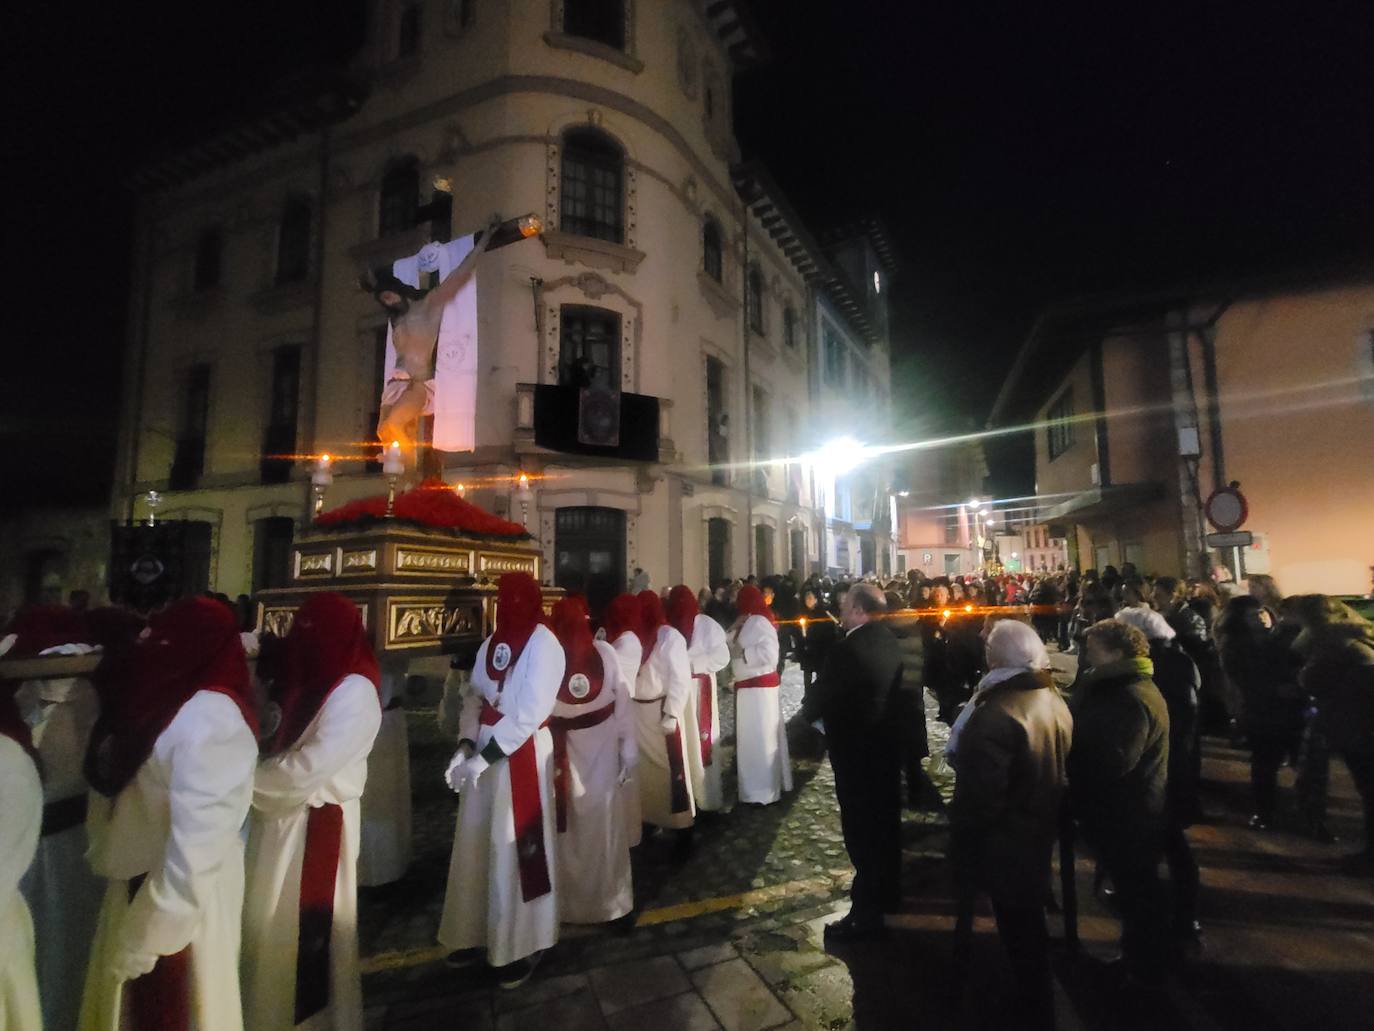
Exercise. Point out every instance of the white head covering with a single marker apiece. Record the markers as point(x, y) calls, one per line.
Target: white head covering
point(1149, 622)
point(1013, 648)
point(1013, 645)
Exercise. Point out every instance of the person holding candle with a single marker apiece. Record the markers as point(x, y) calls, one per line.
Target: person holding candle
point(171, 759)
point(501, 899)
point(763, 765)
point(300, 919)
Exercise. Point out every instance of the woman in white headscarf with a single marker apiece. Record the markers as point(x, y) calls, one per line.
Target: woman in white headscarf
point(1011, 744)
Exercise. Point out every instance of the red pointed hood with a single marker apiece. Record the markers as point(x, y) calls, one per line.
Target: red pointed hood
point(683, 610)
point(519, 609)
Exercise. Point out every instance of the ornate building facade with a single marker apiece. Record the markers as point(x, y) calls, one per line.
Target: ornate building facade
point(680, 279)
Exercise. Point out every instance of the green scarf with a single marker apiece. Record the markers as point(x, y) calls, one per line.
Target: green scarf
point(1141, 666)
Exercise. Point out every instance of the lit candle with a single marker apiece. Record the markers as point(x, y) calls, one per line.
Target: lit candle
point(392, 462)
point(323, 474)
point(460, 489)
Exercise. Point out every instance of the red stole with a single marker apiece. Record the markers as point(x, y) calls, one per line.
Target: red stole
point(706, 715)
point(527, 812)
point(319, 876)
point(559, 726)
point(160, 1000)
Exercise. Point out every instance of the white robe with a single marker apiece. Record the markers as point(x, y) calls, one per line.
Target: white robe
point(63, 894)
point(628, 651)
point(708, 652)
point(594, 882)
point(178, 821)
point(21, 802)
point(328, 766)
point(762, 761)
point(661, 691)
point(484, 905)
point(384, 853)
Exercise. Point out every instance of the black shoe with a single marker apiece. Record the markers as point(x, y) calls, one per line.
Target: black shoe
point(463, 958)
point(848, 930)
point(513, 975)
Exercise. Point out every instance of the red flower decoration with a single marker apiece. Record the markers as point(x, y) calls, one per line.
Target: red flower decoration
point(432, 504)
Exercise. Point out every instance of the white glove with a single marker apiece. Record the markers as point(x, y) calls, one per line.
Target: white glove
point(129, 966)
point(453, 775)
point(669, 724)
point(467, 776)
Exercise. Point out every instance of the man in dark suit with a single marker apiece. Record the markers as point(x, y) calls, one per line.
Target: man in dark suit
point(854, 699)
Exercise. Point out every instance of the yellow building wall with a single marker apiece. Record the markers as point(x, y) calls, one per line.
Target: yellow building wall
point(1297, 416)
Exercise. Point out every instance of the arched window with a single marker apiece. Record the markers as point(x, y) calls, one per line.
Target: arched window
point(755, 300)
point(208, 251)
point(599, 20)
point(399, 198)
point(293, 241)
point(408, 32)
point(712, 257)
point(789, 327)
point(593, 180)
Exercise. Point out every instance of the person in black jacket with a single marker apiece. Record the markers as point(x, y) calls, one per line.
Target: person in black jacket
point(854, 698)
point(1118, 782)
point(1178, 680)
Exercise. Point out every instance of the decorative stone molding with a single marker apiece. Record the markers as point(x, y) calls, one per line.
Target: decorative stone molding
point(586, 250)
point(726, 512)
point(723, 303)
point(592, 48)
point(596, 288)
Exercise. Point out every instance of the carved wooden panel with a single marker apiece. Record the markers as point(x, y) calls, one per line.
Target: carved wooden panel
point(359, 561)
point(419, 622)
point(429, 560)
point(314, 565)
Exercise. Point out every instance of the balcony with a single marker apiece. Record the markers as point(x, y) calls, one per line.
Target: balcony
point(620, 427)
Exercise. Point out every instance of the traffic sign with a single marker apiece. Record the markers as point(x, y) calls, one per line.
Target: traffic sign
point(1241, 539)
point(1226, 508)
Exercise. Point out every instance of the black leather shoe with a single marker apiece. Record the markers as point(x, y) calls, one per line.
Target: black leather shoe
point(848, 930)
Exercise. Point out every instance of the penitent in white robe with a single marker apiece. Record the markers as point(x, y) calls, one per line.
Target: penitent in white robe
point(628, 652)
point(384, 853)
point(661, 691)
point(594, 882)
point(761, 758)
point(327, 766)
point(484, 905)
point(178, 821)
point(708, 653)
point(63, 894)
point(21, 803)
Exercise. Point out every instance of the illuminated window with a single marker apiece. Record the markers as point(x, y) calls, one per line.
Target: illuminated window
point(1060, 431)
point(712, 253)
point(592, 186)
point(599, 20)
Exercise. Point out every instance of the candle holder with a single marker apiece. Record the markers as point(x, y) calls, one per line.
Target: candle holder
point(321, 478)
point(522, 488)
point(393, 467)
point(152, 499)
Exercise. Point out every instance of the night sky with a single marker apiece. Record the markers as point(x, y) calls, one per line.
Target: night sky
point(1019, 153)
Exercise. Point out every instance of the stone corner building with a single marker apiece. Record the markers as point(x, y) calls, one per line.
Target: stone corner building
point(681, 275)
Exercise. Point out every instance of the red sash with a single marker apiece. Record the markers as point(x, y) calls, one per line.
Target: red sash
point(319, 874)
point(527, 811)
point(559, 726)
point(706, 715)
point(160, 1000)
point(762, 680)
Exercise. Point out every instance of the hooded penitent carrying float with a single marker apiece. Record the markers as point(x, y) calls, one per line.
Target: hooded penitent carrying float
point(424, 581)
point(300, 945)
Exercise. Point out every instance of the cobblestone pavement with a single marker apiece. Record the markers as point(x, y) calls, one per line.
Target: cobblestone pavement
point(732, 937)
